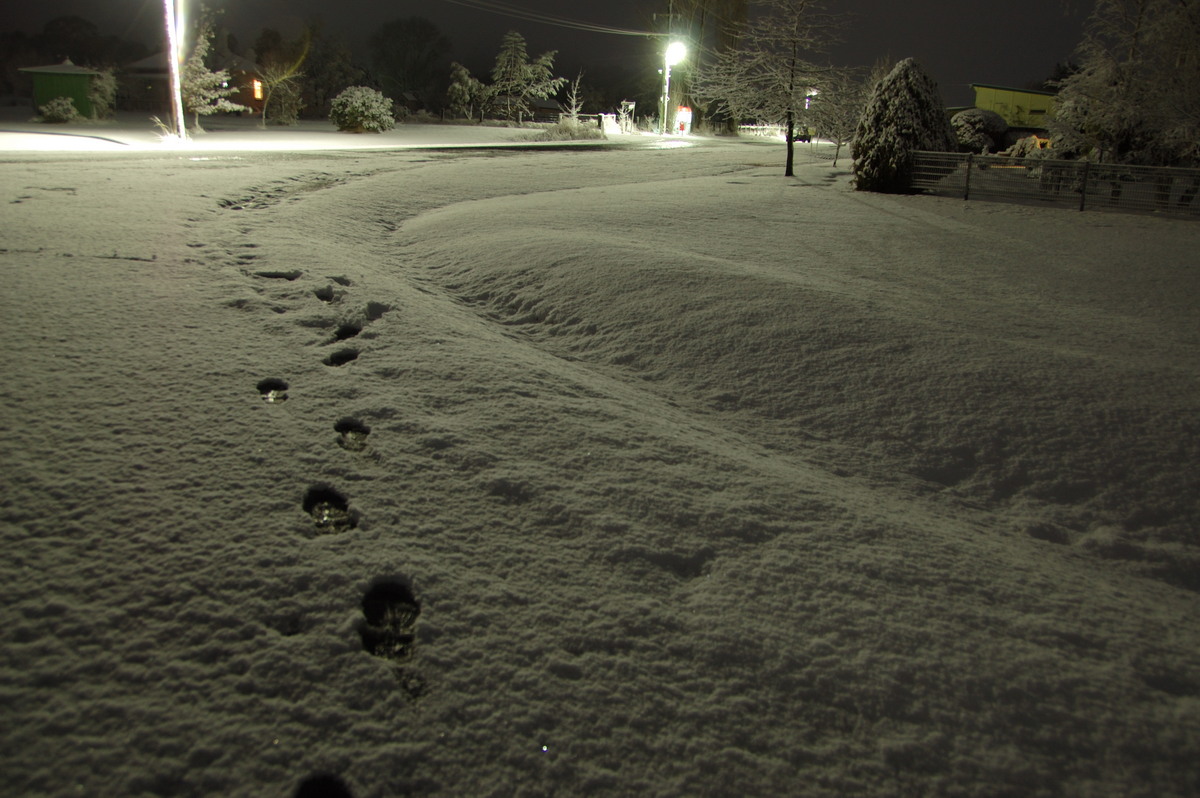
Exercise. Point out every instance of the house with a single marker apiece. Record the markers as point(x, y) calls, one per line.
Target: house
point(147, 83)
point(1020, 108)
point(63, 80)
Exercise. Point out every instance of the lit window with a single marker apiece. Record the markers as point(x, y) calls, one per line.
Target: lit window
point(258, 91)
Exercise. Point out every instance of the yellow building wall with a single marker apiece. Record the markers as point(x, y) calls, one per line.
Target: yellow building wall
point(1018, 108)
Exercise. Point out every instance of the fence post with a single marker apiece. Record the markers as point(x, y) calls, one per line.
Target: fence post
point(1087, 165)
point(967, 182)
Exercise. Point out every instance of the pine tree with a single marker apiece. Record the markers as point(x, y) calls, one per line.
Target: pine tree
point(516, 80)
point(904, 113)
point(206, 91)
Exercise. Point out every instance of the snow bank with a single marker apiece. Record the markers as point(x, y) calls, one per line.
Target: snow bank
point(638, 472)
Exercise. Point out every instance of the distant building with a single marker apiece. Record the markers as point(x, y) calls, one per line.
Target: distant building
point(147, 83)
point(62, 80)
point(1020, 108)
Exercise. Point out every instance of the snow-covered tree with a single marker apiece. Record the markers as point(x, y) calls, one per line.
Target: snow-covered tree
point(767, 76)
point(904, 113)
point(1136, 95)
point(465, 94)
point(516, 80)
point(283, 95)
point(102, 93)
point(206, 91)
point(837, 103)
point(279, 64)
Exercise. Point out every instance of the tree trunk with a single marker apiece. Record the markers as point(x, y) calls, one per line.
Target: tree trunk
point(791, 147)
point(791, 117)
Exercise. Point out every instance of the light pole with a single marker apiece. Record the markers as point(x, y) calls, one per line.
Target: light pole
point(173, 61)
point(676, 52)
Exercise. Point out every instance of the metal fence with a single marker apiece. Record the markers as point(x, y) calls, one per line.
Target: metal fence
point(1078, 184)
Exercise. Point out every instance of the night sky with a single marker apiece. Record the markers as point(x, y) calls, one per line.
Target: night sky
point(959, 41)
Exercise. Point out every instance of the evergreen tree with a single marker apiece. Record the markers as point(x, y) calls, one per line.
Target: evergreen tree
point(516, 80)
point(205, 91)
point(904, 113)
point(102, 93)
point(465, 93)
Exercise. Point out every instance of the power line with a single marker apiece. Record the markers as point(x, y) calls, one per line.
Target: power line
point(504, 9)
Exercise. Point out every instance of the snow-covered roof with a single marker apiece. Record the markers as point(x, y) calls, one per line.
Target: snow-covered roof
point(1011, 88)
point(65, 68)
point(152, 63)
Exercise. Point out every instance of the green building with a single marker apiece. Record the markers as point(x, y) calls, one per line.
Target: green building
point(1019, 107)
point(62, 80)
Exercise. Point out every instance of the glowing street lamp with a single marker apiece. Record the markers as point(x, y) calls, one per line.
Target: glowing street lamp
point(676, 52)
point(174, 59)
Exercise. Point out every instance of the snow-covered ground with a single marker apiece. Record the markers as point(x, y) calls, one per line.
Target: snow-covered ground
point(642, 471)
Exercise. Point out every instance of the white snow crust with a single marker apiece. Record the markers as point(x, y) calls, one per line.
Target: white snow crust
point(707, 481)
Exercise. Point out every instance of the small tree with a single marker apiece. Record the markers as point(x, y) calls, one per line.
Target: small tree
point(205, 91)
point(516, 80)
point(279, 74)
point(465, 92)
point(282, 93)
point(102, 93)
point(837, 104)
point(904, 113)
point(574, 99)
point(767, 76)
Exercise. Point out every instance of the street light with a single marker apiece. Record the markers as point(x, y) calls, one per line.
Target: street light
point(676, 52)
point(173, 61)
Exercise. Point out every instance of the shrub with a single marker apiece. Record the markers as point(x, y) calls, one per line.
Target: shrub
point(566, 130)
point(60, 109)
point(359, 109)
point(978, 130)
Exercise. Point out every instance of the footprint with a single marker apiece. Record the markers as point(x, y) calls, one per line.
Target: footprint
point(375, 310)
point(341, 357)
point(273, 390)
point(323, 785)
point(509, 491)
point(327, 294)
point(353, 434)
point(347, 331)
point(343, 281)
point(389, 610)
point(290, 275)
point(329, 509)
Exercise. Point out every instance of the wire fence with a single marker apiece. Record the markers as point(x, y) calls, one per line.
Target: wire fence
point(1078, 184)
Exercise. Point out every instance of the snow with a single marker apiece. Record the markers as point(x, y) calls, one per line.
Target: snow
point(681, 478)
